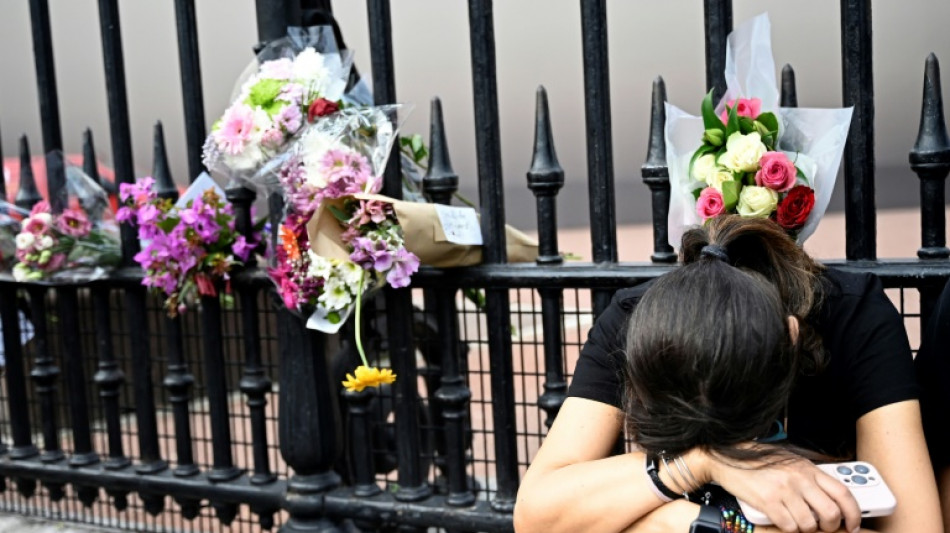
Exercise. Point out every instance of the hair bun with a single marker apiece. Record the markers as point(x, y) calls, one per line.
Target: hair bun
point(715, 251)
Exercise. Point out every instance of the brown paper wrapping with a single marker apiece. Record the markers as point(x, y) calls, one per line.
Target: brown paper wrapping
point(422, 233)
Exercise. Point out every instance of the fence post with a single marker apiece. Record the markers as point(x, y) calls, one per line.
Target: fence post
point(309, 423)
point(453, 395)
point(545, 179)
point(718, 22)
point(656, 175)
point(49, 103)
point(858, 91)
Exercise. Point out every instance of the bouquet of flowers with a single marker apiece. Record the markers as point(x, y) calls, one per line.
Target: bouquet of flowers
point(338, 157)
point(740, 170)
point(748, 156)
point(78, 244)
point(290, 84)
point(191, 246)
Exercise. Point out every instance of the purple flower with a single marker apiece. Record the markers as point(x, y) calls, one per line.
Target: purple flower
point(147, 214)
point(242, 248)
point(347, 172)
point(405, 264)
point(289, 118)
point(125, 213)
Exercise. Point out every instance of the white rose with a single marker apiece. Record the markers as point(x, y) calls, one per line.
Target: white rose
point(703, 167)
point(743, 152)
point(45, 243)
point(25, 240)
point(715, 179)
point(757, 202)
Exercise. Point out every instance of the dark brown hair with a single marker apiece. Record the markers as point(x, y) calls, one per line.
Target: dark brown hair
point(710, 362)
point(762, 246)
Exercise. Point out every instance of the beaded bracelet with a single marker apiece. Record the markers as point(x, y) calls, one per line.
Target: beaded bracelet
point(733, 521)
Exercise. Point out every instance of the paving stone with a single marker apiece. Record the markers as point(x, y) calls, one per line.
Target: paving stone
point(21, 524)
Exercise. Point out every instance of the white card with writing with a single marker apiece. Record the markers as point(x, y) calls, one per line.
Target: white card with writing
point(460, 224)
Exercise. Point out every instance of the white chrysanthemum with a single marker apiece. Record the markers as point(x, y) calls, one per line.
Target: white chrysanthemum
point(320, 267)
point(332, 83)
point(336, 295)
point(25, 240)
point(350, 273)
point(309, 67)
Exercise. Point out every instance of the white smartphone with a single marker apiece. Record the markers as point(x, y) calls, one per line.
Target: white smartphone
point(864, 481)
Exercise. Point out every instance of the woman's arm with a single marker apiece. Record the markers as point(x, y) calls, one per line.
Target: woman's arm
point(572, 485)
point(891, 439)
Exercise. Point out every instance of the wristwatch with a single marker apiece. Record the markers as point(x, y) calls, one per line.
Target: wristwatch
point(707, 521)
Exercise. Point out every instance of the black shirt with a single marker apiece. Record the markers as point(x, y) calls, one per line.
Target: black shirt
point(933, 369)
point(869, 362)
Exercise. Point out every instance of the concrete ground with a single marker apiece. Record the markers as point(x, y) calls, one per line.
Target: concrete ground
point(19, 524)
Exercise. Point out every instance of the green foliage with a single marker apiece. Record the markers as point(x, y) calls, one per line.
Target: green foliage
point(264, 92)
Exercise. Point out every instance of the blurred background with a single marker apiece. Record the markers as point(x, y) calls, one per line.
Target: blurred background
point(538, 42)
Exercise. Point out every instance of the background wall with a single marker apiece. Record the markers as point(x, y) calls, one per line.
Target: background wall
point(537, 42)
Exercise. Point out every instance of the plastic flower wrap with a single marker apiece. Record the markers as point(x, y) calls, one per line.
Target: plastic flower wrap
point(290, 84)
point(189, 247)
point(10, 218)
point(748, 156)
point(341, 155)
point(79, 244)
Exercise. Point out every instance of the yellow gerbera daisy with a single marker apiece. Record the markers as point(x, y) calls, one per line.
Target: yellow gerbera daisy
point(368, 377)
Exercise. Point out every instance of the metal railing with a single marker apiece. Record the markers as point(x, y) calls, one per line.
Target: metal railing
point(140, 421)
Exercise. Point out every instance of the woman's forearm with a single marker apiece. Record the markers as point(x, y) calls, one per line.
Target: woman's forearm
point(602, 495)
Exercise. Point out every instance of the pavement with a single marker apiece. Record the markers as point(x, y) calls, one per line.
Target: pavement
point(20, 524)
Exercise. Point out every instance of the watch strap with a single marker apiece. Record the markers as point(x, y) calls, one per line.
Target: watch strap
point(659, 488)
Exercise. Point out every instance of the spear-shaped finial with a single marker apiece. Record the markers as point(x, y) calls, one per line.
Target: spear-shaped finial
point(28, 195)
point(789, 96)
point(440, 181)
point(161, 173)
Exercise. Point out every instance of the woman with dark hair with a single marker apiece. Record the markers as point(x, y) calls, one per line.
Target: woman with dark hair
point(751, 337)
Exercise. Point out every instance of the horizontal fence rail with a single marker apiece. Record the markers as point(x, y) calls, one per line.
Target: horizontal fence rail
point(232, 417)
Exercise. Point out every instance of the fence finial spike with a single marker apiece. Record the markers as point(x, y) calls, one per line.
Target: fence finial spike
point(545, 170)
point(656, 153)
point(933, 142)
point(440, 181)
point(165, 185)
point(789, 96)
point(28, 195)
point(89, 164)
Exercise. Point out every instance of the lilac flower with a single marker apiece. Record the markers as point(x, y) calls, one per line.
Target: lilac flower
point(405, 264)
point(289, 118)
point(346, 172)
point(291, 93)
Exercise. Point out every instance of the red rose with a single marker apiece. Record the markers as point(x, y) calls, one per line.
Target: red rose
point(794, 209)
point(321, 107)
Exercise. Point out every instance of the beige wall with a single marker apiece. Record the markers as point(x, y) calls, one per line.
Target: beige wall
point(538, 42)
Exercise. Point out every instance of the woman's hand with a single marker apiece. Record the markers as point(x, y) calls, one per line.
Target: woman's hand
point(795, 494)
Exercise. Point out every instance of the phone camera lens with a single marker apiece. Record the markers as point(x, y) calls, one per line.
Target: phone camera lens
point(861, 469)
point(859, 480)
point(843, 470)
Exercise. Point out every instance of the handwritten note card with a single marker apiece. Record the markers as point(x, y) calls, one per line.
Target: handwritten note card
point(460, 224)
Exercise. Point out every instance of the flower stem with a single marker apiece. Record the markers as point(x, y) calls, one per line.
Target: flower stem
point(359, 306)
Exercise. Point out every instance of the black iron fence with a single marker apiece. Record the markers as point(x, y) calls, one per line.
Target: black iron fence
point(233, 418)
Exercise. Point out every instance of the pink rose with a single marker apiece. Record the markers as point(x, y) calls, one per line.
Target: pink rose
point(747, 107)
point(776, 172)
point(710, 203)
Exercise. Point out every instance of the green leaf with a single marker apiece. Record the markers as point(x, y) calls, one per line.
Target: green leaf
point(697, 192)
point(730, 194)
point(769, 121)
point(333, 317)
point(340, 215)
point(710, 120)
point(801, 176)
point(733, 125)
point(746, 125)
point(168, 224)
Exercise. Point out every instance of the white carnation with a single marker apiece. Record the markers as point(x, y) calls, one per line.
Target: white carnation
point(25, 240)
point(309, 66)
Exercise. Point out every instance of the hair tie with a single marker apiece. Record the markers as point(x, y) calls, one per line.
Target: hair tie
point(715, 251)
